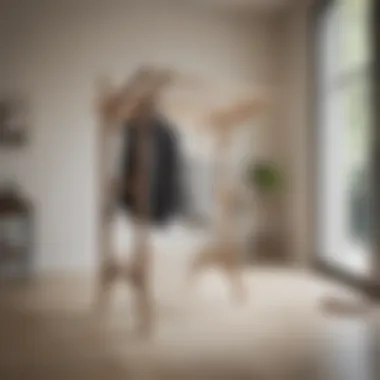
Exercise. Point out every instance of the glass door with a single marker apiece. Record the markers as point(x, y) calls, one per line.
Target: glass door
point(344, 136)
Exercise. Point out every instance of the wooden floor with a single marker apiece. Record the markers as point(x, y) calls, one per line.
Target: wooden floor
point(49, 331)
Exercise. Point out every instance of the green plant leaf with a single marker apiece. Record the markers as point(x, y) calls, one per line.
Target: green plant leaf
point(265, 177)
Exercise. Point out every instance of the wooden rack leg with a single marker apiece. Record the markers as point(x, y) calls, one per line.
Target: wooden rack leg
point(228, 259)
point(144, 308)
point(108, 267)
point(237, 283)
point(138, 275)
point(134, 274)
point(224, 253)
point(107, 277)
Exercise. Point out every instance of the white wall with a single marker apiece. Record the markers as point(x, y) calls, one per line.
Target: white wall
point(53, 52)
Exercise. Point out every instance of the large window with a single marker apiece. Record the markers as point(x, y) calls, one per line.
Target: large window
point(344, 130)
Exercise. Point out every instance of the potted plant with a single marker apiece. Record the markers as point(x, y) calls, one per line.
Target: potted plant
point(266, 178)
point(267, 181)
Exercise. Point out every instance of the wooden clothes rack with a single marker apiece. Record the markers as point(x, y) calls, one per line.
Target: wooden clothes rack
point(225, 251)
point(138, 98)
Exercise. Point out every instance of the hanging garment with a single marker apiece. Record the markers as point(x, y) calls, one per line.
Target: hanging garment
point(163, 175)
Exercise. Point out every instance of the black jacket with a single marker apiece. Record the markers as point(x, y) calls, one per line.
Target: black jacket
point(163, 177)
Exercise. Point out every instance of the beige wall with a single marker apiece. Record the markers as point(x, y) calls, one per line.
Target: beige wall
point(54, 50)
point(296, 111)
